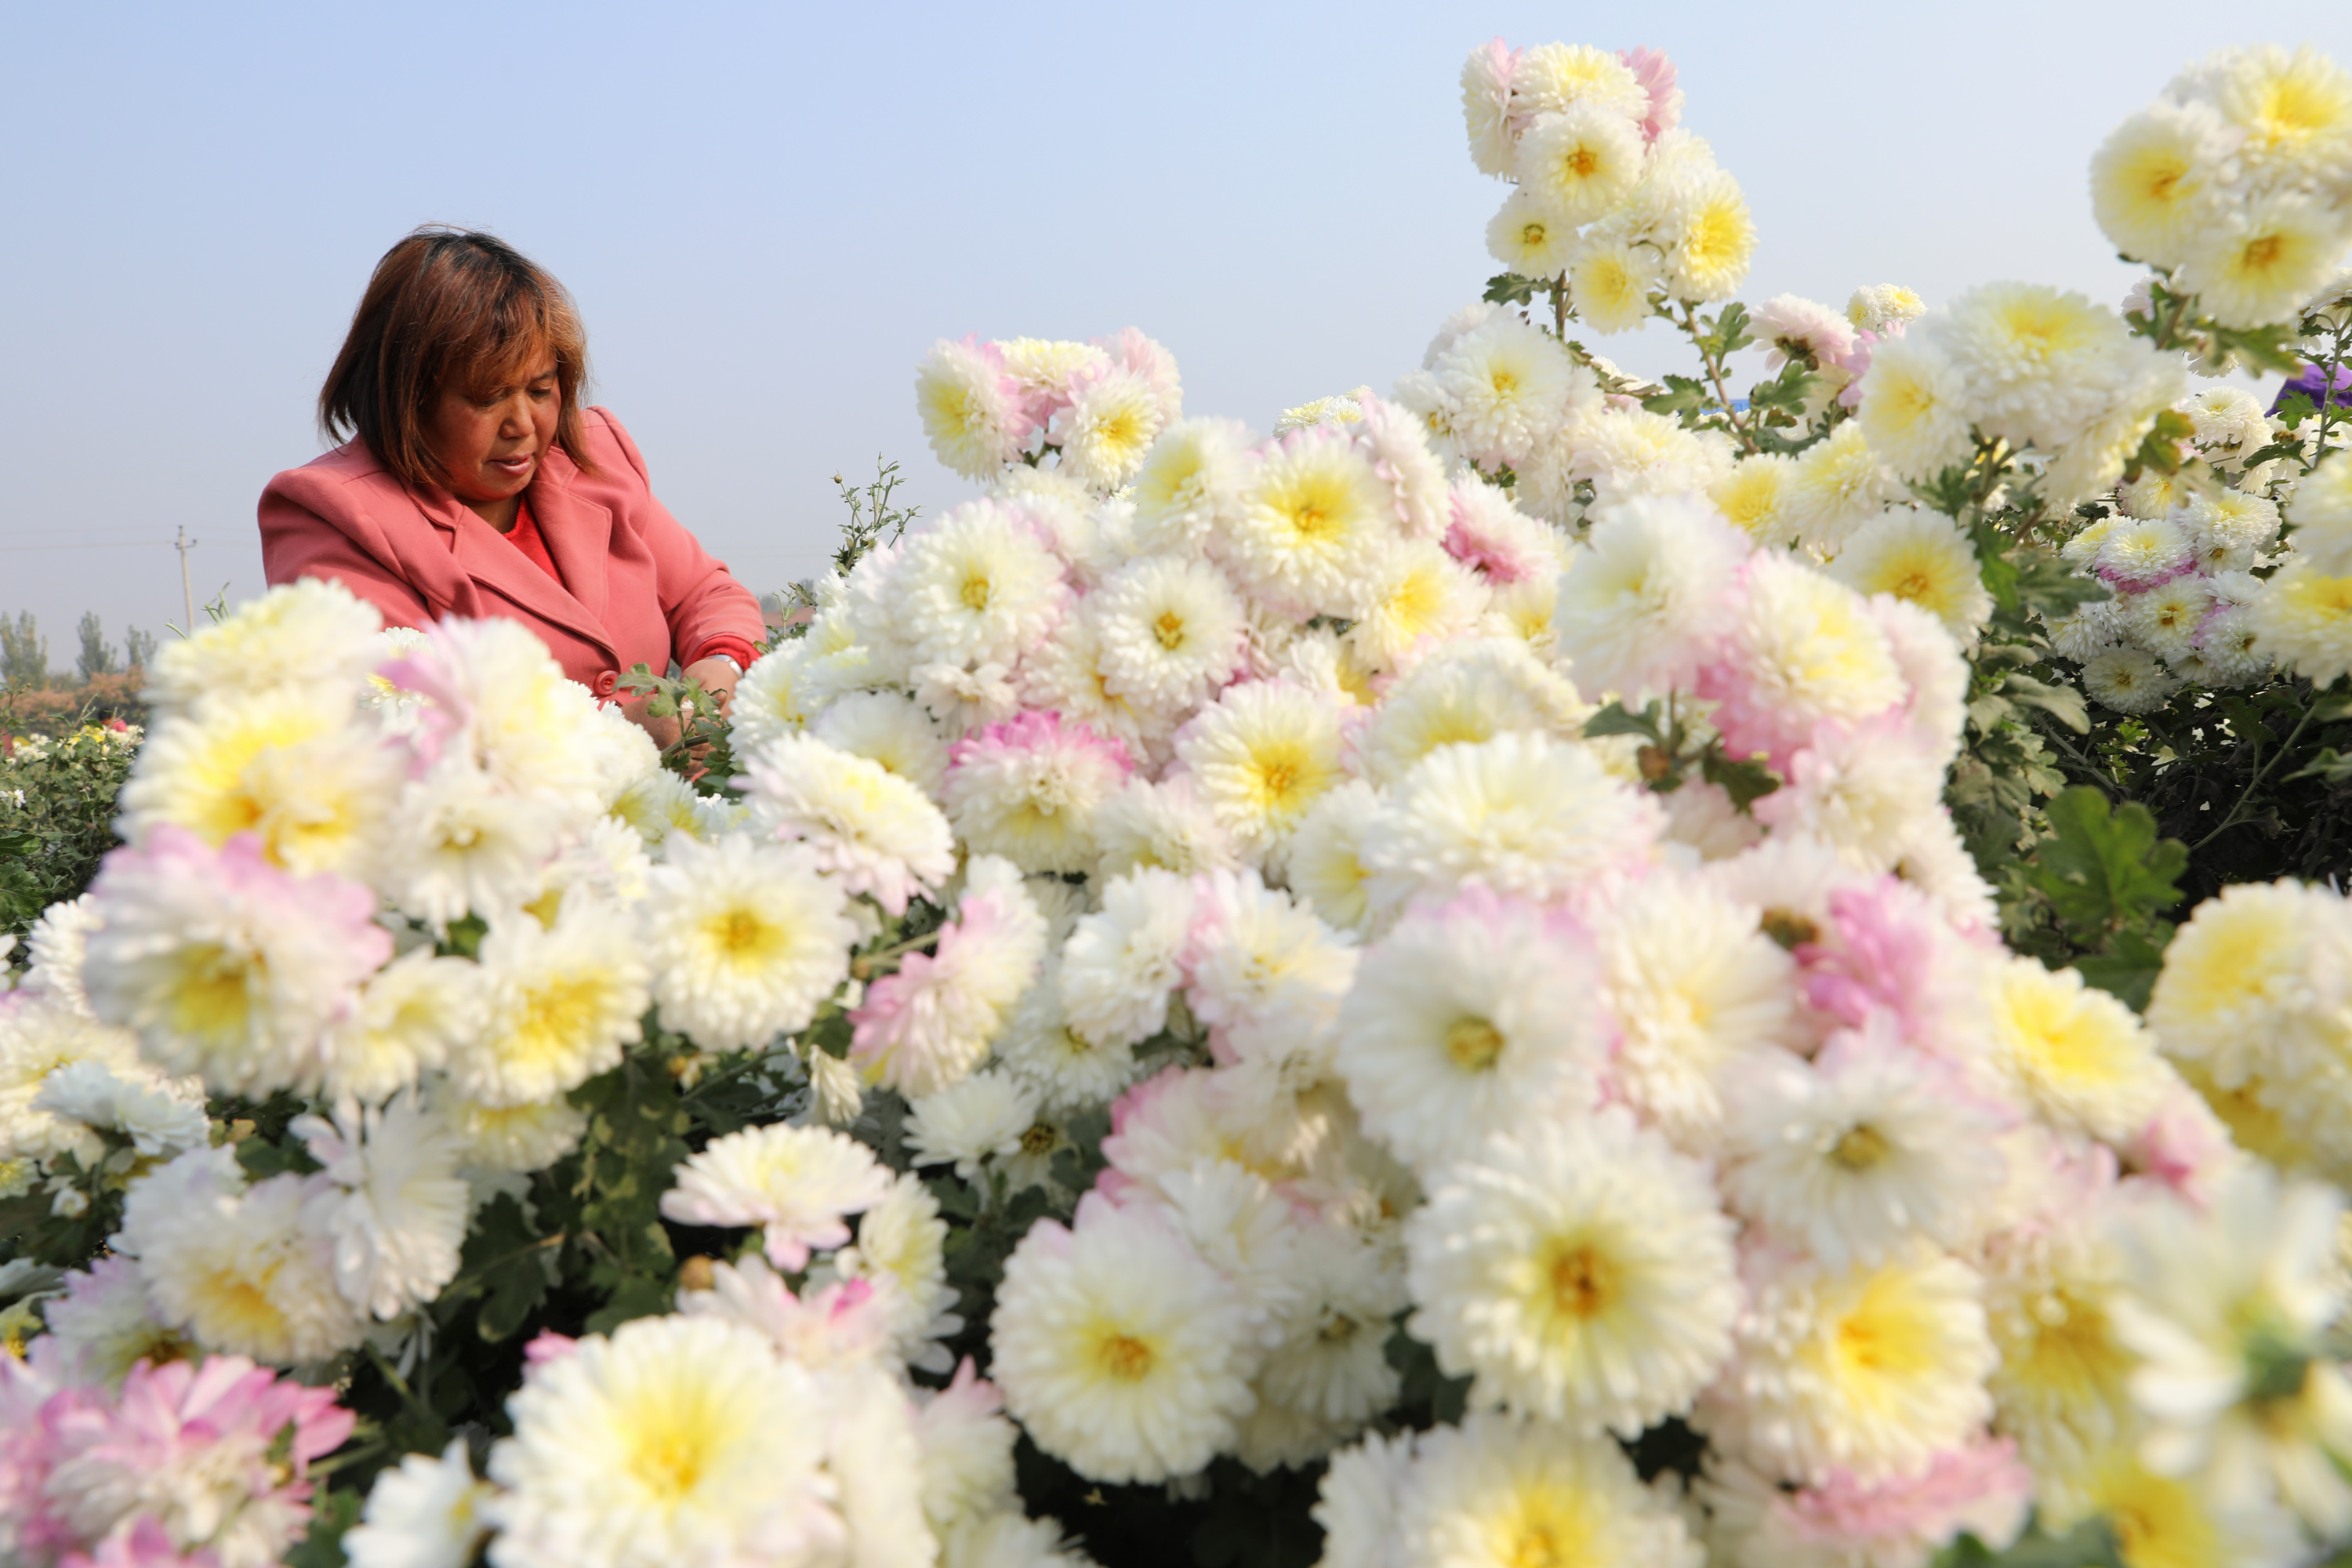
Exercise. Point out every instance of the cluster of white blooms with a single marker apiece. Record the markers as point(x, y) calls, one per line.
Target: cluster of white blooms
point(1452, 894)
point(2237, 183)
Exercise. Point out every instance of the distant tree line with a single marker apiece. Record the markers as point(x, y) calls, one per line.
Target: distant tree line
point(105, 684)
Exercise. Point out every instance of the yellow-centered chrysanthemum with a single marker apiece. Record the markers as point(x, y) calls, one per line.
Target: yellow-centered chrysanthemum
point(2078, 1056)
point(1923, 558)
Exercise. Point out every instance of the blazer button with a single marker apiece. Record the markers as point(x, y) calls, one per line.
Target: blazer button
point(608, 682)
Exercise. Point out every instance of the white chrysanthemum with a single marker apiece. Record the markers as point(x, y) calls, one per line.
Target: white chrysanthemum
point(1325, 865)
point(423, 1514)
point(968, 1122)
point(1585, 1275)
point(1123, 1353)
point(931, 1021)
point(1121, 964)
point(1192, 486)
point(1530, 239)
point(2150, 180)
point(504, 706)
point(1869, 1370)
point(1465, 1024)
point(2229, 528)
point(1264, 972)
point(397, 1210)
point(104, 1323)
point(1163, 824)
point(2236, 992)
point(2305, 619)
point(1498, 1493)
point(1028, 789)
point(1877, 306)
point(1858, 1152)
point(1920, 557)
point(557, 1006)
point(1643, 596)
point(1865, 793)
point(1486, 106)
point(901, 1246)
point(977, 587)
point(1807, 648)
point(2322, 513)
point(235, 1266)
point(797, 1183)
point(2060, 1388)
point(1260, 756)
point(874, 830)
point(1519, 815)
point(1628, 452)
point(1318, 515)
point(518, 1138)
point(1106, 428)
point(1009, 1540)
point(1714, 236)
point(1752, 495)
point(2165, 620)
point(2041, 364)
point(2227, 421)
point(159, 1119)
point(1611, 280)
point(1915, 407)
point(1695, 987)
point(678, 1439)
point(1546, 79)
point(1416, 599)
point(659, 805)
point(286, 765)
point(1836, 486)
point(457, 843)
point(1578, 164)
point(1357, 1500)
point(54, 950)
point(1468, 690)
point(38, 1038)
point(1331, 1363)
point(311, 633)
point(745, 940)
point(886, 728)
point(970, 409)
point(2257, 261)
point(1172, 631)
point(2076, 1055)
point(2128, 679)
point(1063, 675)
point(1507, 387)
point(967, 1448)
point(1066, 1070)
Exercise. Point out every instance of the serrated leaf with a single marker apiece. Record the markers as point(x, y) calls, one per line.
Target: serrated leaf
point(2105, 868)
point(2063, 703)
point(2127, 970)
point(1746, 781)
point(1510, 288)
point(2329, 767)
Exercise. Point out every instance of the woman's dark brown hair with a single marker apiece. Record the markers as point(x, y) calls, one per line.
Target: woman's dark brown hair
point(449, 308)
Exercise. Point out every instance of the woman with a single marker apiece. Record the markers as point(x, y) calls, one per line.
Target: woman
point(472, 483)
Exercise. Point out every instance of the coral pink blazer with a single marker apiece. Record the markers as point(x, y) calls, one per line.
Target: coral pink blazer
point(636, 589)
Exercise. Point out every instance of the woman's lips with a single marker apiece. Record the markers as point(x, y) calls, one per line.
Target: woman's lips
point(518, 464)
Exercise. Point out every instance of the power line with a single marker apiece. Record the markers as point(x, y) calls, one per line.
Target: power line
point(93, 544)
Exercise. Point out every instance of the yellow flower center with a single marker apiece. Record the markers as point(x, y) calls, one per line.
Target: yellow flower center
point(1473, 1044)
point(1860, 1148)
point(1582, 162)
point(554, 1018)
point(974, 593)
point(1584, 1283)
point(1126, 1358)
point(1170, 630)
point(1531, 235)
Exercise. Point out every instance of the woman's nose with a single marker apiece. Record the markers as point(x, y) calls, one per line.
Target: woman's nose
point(514, 417)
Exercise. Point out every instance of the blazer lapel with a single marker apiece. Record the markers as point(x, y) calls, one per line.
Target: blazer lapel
point(486, 556)
point(579, 535)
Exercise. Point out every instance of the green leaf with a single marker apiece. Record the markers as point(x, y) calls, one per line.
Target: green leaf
point(1682, 396)
point(2063, 703)
point(2091, 1544)
point(1747, 781)
point(1786, 393)
point(333, 1511)
point(2106, 869)
point(1510, 288)
point(1612, 719)
point(1725, 333)
point(503, 1262)
point(2329, 767)
point(2128, 970)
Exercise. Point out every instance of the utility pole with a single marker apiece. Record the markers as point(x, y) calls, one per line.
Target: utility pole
point(187, 593)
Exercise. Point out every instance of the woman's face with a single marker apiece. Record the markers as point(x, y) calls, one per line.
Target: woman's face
point(489, 442)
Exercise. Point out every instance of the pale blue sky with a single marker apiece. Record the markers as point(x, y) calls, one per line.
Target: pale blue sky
point(768, 212)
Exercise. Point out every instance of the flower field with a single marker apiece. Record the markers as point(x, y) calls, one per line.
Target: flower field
point(1538, 969)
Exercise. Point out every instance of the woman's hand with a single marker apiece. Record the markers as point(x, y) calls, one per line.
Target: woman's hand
point(717, 677)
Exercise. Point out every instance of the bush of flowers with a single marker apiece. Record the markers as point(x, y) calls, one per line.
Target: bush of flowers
point(1403, 991)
